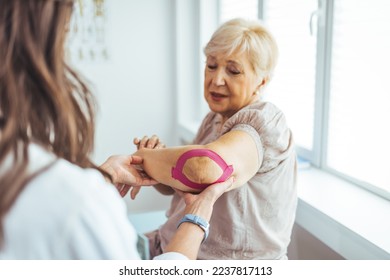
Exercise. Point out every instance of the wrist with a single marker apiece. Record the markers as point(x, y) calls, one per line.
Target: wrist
point(196, 220)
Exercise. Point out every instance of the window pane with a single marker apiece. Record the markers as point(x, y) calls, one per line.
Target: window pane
point(359, 129)
point(238, 8)
point(292, 88)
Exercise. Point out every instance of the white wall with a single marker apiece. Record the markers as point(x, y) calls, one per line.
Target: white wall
point(135, 86)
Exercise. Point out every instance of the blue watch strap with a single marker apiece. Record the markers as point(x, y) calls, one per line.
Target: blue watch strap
point(203, 224)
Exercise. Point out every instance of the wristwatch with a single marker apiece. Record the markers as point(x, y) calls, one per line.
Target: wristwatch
point(203, 224)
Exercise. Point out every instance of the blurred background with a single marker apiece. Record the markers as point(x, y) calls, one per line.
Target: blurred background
point(144, 62)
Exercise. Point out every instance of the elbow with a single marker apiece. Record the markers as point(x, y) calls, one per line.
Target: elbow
point(202, 170)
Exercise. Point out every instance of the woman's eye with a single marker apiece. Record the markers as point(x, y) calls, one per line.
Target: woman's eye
point(211, 66)
point(234, 71)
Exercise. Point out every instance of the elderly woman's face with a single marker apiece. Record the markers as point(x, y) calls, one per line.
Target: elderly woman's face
point(230, 84)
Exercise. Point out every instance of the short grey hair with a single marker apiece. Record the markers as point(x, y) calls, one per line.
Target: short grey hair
point(246, 36)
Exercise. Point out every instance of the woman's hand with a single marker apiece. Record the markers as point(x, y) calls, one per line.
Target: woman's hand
point(153, 142)
point(149, 143)
point(125, 175)
point(201, 204)
point(188, 236)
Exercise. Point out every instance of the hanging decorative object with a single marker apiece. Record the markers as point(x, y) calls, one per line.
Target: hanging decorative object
point(87, 38)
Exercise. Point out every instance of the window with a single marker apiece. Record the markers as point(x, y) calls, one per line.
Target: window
point(359, 101)
point(293, 85)
point(232, 8)
point(331, 81)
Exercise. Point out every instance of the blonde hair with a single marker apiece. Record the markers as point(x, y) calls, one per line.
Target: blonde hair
point(246, 36)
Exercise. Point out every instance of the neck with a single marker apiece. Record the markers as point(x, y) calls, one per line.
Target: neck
point(225, 117)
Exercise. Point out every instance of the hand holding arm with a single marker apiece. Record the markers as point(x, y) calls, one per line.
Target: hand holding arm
point(153, 142)
point(236, 148)
point(123, 173)
point(188, 236)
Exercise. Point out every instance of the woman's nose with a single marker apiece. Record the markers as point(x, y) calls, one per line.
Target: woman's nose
point(219, 78)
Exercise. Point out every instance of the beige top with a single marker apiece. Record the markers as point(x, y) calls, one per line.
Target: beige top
point(255, 220)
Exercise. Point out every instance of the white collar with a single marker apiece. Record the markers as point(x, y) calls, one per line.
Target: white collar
point(39, 157)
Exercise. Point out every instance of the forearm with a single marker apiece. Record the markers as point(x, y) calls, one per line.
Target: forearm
point(189, 235)
point(186, 240)
point(197, 170)
point(164, 189)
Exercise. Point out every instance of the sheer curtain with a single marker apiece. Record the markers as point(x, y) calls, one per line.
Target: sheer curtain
point(293, 86)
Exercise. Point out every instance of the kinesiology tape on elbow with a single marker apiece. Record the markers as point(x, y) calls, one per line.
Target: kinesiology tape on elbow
point(177, 172)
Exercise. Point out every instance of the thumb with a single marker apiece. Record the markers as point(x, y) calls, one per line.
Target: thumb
point(216, 190)
point(136, 160)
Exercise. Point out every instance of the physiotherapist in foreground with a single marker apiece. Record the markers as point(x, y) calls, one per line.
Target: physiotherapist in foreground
point(55, 203)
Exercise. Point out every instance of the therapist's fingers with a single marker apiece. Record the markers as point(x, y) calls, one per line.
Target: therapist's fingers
point(211, 193)
point(202, 204)
point(122, 189)
point(135, 175)
point(145, 182)
point(216, 190)
point(135, 160)
point(124, 170)
point(134, 191)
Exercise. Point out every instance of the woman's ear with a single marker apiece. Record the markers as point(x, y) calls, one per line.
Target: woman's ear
point(262, 83)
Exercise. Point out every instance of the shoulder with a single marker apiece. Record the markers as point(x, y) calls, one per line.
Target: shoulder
point(62, 182)
point(76, 194)
point(68, 212)
point(63, 177)
point(65, 192)
point(259, 115)
point(96, 224)
point(69, 183)
point(268, 127)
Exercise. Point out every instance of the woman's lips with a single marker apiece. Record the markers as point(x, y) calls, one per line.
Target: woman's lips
point(217, 96)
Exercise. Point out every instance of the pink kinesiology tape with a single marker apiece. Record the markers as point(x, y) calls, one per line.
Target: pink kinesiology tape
point(177, 172)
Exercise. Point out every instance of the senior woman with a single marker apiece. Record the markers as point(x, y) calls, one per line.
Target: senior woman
point(243, 136)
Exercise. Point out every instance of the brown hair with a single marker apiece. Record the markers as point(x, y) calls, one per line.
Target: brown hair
point(42, 100)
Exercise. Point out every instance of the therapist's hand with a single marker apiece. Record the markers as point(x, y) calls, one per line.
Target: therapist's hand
point(201, 204)
point(152, 142)
point(188, 236)
point(124, 173)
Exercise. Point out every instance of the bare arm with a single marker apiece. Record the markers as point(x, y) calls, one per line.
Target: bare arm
point(164, 189)
point(153, 142)
point(236, 148)
point(188, 236)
